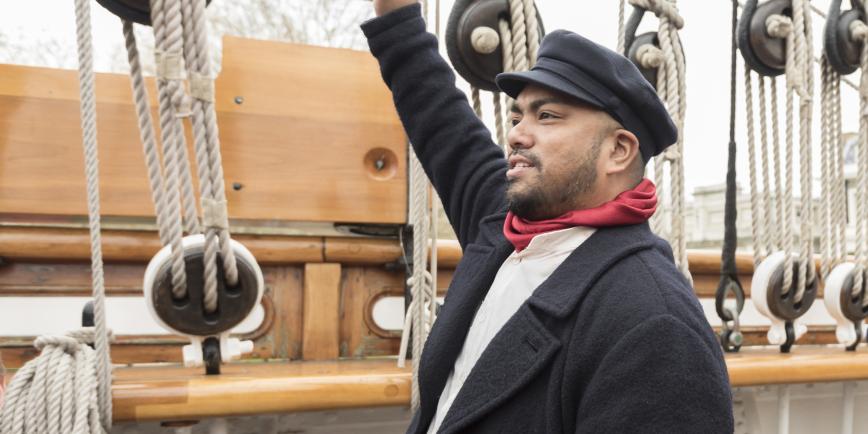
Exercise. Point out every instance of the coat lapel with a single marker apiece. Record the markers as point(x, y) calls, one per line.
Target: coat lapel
point(519, 351)
point(470, 283)
point(525, 345)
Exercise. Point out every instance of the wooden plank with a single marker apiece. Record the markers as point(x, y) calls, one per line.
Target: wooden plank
point(285, 285)
point(164, 393)
point(320, 336)
point(173, 393)
point(755, 367)
point(23, 243)
point(308, 113)
point(360, 288)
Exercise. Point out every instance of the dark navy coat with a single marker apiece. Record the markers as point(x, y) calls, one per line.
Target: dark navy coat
point(614, 341)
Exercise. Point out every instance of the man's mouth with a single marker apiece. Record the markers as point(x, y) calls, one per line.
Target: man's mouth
point(518, 165)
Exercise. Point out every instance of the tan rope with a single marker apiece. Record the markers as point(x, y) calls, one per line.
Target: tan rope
point(67, 388)
point(759, 252)
point(671, 86)
point(859, 31)
point(797, 33)
point(621, 35)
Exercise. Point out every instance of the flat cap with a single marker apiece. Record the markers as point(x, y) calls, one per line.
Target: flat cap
point(598, 76)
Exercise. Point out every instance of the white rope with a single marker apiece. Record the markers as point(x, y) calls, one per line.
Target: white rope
point(621, 36)
point(759, 252)
point(671, 87)
point(770, 209)
point(67, 388)
point(859, 31)
point(181, 48)
point(58, 391)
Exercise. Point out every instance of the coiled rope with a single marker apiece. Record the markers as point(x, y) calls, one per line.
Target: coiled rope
point(67, 388)
point(671, 87)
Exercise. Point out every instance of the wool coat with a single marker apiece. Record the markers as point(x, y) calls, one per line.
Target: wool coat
point(614, 341)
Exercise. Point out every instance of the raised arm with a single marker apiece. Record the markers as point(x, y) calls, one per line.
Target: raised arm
point(466, 167)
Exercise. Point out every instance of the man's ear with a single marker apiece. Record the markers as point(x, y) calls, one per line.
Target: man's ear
point(623, 152)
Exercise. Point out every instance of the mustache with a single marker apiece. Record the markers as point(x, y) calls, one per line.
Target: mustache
point(525, 154)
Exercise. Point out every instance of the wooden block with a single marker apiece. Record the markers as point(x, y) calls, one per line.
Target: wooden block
point(320, 335)
point(302, 143)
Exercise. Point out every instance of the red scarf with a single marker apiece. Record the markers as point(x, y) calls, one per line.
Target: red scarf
point(628, 208)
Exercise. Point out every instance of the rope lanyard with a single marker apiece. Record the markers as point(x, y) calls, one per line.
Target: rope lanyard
point(731, 337)
point(671, 87)
point(422, 309)
point(772, 207)
point(181, 51)
point(67, 388)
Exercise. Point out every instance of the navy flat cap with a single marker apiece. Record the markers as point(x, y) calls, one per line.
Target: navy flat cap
point(598, 76)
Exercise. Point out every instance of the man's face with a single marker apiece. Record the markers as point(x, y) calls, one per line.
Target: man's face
point(555, 146)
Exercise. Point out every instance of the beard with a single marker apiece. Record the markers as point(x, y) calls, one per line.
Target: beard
point(550, 195)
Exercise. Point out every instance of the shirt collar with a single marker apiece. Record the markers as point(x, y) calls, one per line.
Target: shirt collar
point(555, 242)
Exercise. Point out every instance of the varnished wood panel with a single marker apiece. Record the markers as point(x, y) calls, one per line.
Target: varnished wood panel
point(321, 311)
point(297, 144)
point(164, 393)
point(360, 288)
point(61, 244)
point(285, 285)
point(142, 394)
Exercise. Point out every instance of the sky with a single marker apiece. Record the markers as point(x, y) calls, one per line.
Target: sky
point(705, 36)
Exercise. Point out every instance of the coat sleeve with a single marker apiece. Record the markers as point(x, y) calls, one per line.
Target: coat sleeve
point(660, 377)
point(466, 167)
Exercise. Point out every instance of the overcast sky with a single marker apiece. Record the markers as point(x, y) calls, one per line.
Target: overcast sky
point(705, 37)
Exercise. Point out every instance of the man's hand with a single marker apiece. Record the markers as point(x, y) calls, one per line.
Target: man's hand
point(383, 7)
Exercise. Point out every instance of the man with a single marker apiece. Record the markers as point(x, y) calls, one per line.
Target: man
point(566, 314)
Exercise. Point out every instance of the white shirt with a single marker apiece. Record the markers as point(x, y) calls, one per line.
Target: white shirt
point(519, 275)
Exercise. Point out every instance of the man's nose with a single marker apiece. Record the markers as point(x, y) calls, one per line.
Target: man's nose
point(519, 137)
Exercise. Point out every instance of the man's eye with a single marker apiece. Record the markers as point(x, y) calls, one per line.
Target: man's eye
point(514, 122)
point(545, 115)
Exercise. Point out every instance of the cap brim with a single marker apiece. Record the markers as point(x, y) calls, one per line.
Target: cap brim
point(512, 83)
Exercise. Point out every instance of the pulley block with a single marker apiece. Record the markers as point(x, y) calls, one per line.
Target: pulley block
point(842, 52)
point(633, 42)
point(137, 11)
point(764, 54)
point(187, 315)
point(779, 304)
point(845, 307)
point(473, 40)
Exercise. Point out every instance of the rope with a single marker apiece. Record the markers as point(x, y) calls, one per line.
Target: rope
point(671, 87)
point(859, 31)
point(182, 52)
point(621, 35)
point(58, 391)
point(797, 33)
point(67, 388)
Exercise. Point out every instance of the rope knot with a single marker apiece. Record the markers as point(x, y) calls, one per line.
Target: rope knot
point(779, 26)
point(484, 40)
point(671, 154)
point(858, 31)
point(662, 9)
point(649, 56)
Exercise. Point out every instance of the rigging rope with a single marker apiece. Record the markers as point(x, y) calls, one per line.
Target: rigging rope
point(772, 208)
point(67, 388)
point(422, 308)
point(859, 32)
point(671, 87)
point(181, 50)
